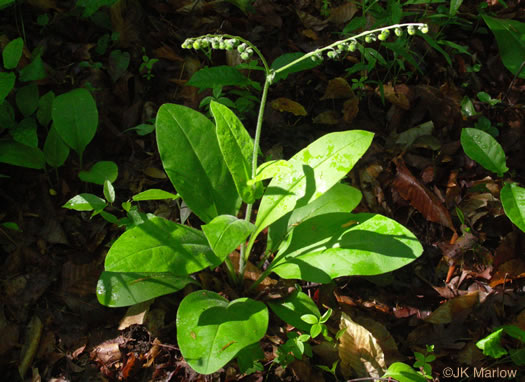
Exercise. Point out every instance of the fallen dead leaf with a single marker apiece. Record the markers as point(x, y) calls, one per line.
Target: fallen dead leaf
point(135, 315)
point(508, 271)
point(350, 109)
point(362, 349)
point(310, 34)
point(398, 95)
point(167, 53)
point(338, 88)
point(285, 104)
point(447, 312)
point(328, 117)
point(422, 199)
point(343, 13)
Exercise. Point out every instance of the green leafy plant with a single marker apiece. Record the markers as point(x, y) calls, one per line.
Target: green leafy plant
point(69, 120)
point(483, 148)
point(492, 344)
point(421, 371)
point(314, 235)
point(146, 67)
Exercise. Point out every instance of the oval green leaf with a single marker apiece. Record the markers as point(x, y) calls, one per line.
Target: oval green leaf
point(75, 116)
point(55, 150)
point(211, 331)
point(7, 82)
point(154, 194)
point(343, 244)
point(21, 155)
point(403, 373)
point(286, 59)
point(45, 105)
point(237, 149)
point(12, 53)
point(225, 233)
point(109, 191)
point(85, 202)
point(160, 245)
point(99, 172)
point(510, 35)
point(293, 307)
point(513, 199)
point(27, 99)
point(314, 170)
point(192, 159)
point(116, 289)
point(219, 76)
point(484, 149)
point(340, 198)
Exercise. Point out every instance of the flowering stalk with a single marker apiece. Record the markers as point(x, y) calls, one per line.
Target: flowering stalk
point(246, 50)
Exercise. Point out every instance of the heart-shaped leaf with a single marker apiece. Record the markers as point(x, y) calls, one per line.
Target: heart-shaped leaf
point(160, 245)
point(340, 198)
point(237, 149)
point(211, 331)
point(293, 307)
point(513, 199)
point(192, 159)
point(117, 289)
point(75, 117)
point(314, 170)
point(225, 233)
point(484, 149)
point(99, 172)
point(342, 244)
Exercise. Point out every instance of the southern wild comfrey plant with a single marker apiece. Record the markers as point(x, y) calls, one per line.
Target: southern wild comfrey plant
point(307, 210)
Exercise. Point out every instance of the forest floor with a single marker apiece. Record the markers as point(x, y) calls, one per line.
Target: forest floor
point(415, 172)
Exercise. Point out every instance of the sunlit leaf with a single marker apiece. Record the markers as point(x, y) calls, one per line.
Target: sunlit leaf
point(513, 199)
point(484, 149)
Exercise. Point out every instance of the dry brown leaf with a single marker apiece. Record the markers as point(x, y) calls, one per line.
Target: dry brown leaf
point(167, 53)
point(310, 34)
point(311, 22)
point(252, 272)
point(350, 109)
point(154, 172)
point(422, 199)
point(328, 117)
point(285, 104)
point(343, 13)
point(360, 351)
point(508, 271)
point(398, 95)
point(447, 312)
point(338, 88)
point(135, 315)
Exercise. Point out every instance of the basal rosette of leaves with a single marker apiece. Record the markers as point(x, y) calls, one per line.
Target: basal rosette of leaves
point(307, 210)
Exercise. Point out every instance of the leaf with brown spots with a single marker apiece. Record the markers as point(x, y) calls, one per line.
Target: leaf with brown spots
point(421, 198)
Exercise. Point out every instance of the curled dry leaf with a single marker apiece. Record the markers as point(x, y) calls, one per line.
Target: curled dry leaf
point(284, 104)
point(338, 88)
point(448, 312)
point(343, 13)
point(398, 95)
point(421, 198)
point(328, 117)
point(350, 109)
point(508, 271)
point(365, 347)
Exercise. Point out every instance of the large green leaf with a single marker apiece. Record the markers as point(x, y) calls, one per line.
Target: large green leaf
point(117, 289)
point(211, 331)
point(484, 149)
point(99, 172)
point(340, 198)
point(510, 35)
point(192, 159)
point(160, 245)
point(219, 76)
point(293, 307)
point(55, 150)
point(237, 149)
point(85, 202)
point(513, 199)
point(12, 53)
point(225, 233)
point(21, 155)
point(75, 117)
point(154, 194)
point(7, 82)
point(343, 244)
point(313, 171)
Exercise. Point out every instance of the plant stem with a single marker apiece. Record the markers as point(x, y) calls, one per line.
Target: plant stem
point(333, 45)
point(245, 251)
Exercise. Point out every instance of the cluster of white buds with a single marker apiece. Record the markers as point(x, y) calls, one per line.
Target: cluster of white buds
point(351, 45)
point(219, 43)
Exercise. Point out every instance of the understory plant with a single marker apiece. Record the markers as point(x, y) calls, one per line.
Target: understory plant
point(312, 233)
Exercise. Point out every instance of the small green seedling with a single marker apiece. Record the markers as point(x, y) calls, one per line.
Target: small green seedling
point(146, 67)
